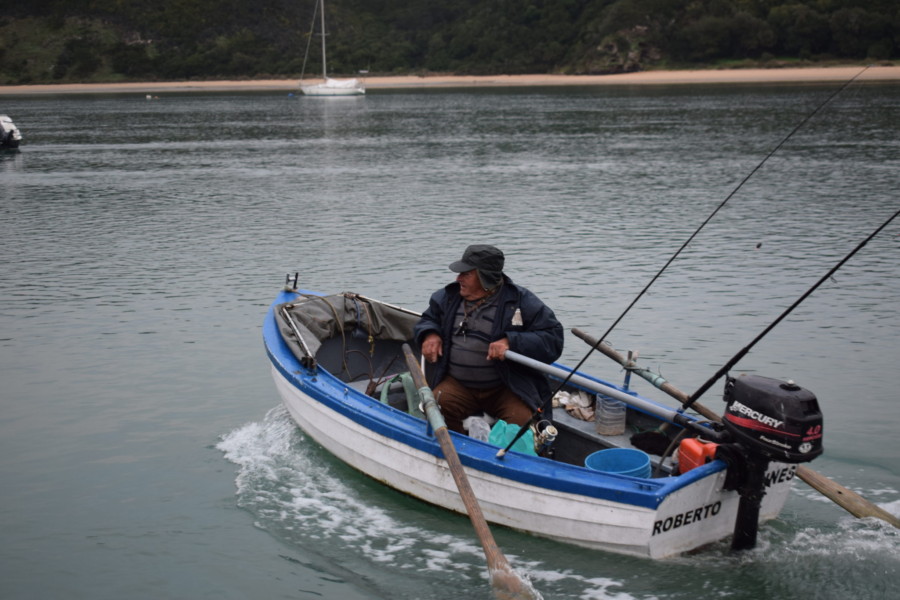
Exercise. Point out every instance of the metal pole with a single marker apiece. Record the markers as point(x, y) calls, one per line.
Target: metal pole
point(324, 71)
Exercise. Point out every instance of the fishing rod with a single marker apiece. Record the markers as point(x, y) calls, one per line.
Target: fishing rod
point(536, 415)
point(741, 353)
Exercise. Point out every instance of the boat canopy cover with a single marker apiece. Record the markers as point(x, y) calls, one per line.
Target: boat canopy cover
point(320, 318)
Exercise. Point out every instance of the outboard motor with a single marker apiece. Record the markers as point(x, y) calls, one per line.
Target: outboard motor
point(768, 420)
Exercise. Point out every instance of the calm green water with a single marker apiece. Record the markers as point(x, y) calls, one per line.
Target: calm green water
point(143, 450)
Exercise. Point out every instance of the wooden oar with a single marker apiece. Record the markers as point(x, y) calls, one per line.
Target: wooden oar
point(847, 499)
point(505, 582)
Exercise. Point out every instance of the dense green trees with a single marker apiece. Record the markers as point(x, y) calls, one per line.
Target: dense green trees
point(94, 40)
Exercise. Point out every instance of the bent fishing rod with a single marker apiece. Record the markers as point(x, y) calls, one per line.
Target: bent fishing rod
point(537, 414)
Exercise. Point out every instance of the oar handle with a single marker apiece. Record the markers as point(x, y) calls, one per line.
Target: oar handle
point(429, 404)
point(415, 370)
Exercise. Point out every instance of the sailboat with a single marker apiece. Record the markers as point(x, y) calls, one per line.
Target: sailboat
point(329, 86)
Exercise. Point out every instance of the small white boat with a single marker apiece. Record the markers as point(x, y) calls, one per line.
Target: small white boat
point(329, 86)
point(336, 360)
point(334, 87)
point(10, 136)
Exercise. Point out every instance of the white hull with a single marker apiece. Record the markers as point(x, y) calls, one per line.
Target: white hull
point(334, 87)
point(10, 136)
point(691, 516)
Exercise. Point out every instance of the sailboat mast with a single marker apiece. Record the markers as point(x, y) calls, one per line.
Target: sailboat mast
point(324, 70)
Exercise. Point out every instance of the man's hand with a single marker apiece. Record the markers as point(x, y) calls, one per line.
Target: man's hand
point(497, 350)
point(432, 347)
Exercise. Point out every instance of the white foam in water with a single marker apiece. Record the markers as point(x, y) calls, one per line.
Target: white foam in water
point(891, 507)
point(288, 486)
point(872, 495)
point(595, 588)
point(284, 482)
point(813, 556)
point(296, 491)
point(858, 537)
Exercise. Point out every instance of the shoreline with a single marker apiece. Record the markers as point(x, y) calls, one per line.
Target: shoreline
point(681, 77)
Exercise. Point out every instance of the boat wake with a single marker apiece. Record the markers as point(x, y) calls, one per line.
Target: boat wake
point(849, 557)
point(296, 491)
point(397, 547)
point(286, 482)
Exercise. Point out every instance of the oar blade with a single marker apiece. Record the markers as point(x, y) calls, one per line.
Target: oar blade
point(506, 584)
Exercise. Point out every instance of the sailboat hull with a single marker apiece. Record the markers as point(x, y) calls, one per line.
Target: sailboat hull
point(335, 87)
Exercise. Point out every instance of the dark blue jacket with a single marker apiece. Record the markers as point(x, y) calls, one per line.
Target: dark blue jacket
point(539, 337)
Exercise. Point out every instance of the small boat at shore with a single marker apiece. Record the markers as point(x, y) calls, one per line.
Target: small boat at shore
point(338, 364)
point(10, 136)
point(328, 85)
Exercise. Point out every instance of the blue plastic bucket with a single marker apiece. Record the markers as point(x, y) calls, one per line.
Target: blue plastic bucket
point(624, 461)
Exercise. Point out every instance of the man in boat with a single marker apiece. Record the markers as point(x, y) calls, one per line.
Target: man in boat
point(465, 333)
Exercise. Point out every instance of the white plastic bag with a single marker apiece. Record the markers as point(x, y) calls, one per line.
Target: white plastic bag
point(477, 427)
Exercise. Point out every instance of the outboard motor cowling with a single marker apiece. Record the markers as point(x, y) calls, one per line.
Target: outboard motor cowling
point(768, 420)
point(778, 419)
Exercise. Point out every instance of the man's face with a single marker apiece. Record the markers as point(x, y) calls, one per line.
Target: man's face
point(470, 286)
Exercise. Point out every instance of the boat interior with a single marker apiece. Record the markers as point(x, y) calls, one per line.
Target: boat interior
point(359, 341)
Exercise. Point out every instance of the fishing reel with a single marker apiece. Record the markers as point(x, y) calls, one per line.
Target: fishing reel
point(767, 419)
point(544, 435)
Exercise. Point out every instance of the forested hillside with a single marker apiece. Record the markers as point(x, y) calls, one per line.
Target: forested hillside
point(56, 41)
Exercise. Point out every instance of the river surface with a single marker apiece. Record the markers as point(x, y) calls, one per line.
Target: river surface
point(144, 452)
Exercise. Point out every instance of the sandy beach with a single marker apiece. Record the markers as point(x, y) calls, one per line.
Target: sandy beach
point(725, 76)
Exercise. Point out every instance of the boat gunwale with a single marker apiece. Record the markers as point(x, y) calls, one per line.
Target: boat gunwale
point(393, 423)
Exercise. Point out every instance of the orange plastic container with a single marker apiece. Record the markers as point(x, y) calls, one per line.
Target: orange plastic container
point(693, 453)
